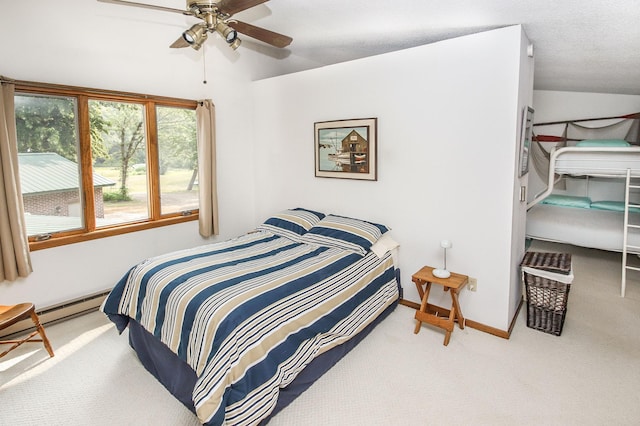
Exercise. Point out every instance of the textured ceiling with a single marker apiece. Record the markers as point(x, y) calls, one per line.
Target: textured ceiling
point(579, 45)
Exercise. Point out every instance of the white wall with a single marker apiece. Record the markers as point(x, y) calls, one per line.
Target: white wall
point(92, 44)
point(557, 106)
point(448, 118)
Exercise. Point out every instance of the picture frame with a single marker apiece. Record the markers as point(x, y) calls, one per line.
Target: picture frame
point(526, 137)
point(346, 149)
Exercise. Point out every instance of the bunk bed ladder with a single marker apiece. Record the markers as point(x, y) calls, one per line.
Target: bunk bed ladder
point(627, 227)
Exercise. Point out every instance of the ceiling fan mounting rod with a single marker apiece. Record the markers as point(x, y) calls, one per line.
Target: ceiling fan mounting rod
point(200, 7)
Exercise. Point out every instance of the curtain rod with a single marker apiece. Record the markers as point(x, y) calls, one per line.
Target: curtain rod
point(40, 85)
point(627, 116)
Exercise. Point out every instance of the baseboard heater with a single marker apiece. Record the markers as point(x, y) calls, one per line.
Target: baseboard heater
point(59, 312)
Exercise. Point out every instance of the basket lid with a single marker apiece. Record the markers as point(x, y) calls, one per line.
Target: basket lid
point(559, 263)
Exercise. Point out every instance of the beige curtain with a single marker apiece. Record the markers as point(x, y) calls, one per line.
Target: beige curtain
point(14, 245)
point(207, 185)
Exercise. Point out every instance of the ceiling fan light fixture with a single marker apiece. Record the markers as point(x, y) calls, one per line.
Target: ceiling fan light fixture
point(196, 34)
point(198, 44)
point(229, 34)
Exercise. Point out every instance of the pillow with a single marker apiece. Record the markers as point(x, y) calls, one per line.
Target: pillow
point(345, 233)
point(291, 223)
point(383, 245)
point(608, 143)
point(616, 206)
point(568, 201)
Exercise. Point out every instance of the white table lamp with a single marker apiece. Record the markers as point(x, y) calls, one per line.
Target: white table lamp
point(443, 273)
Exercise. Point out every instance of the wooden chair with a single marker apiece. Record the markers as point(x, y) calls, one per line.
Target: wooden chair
point(10, 315)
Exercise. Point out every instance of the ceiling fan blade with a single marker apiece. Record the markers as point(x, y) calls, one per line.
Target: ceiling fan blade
point(234, 6)
point(269, 37)
point(147, 6)
point(179, 43)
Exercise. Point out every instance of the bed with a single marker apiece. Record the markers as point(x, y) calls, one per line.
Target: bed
point(607, 148)
point(237, 329)
point(582, 227)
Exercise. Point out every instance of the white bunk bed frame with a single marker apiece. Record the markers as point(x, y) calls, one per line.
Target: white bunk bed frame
point(621, 170)
point(593, 170)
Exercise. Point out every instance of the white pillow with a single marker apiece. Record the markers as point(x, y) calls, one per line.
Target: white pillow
point(383, 245)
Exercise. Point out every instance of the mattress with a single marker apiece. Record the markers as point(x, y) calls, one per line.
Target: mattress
point(591, 228)
point(597, 161)
point(249, 314)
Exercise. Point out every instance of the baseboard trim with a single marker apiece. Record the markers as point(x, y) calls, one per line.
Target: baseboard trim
point(469, 323)
point(59, 312)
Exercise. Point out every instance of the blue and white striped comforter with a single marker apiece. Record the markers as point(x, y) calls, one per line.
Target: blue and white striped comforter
point(250, 313)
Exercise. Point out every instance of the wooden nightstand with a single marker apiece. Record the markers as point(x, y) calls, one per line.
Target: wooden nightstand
point(453, 284)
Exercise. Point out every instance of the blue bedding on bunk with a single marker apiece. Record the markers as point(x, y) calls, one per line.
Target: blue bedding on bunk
point(248, 314)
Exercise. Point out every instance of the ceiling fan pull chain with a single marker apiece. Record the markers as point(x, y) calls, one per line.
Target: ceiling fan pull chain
point(204, 65)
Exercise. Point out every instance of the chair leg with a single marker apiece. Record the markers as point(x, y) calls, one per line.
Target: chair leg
point(40, 329)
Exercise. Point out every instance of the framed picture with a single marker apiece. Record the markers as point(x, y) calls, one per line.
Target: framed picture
point(525, 141)
point(346, 149)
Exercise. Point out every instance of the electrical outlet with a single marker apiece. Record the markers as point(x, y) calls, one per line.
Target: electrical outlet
point(472, 285)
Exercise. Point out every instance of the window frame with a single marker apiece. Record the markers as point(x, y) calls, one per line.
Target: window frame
point(89, 231)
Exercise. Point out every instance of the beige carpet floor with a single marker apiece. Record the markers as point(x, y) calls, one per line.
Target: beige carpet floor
point(590, 375)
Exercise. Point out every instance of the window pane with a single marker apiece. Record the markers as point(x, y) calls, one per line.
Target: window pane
point(118, 146)
point(47, 130)
point(177, 150)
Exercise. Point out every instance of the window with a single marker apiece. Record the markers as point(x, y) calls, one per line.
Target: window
point(178, 159)
point(96, 164)
point(119, 149)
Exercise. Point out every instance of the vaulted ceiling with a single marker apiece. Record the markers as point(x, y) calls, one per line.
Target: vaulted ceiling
point(579, 45)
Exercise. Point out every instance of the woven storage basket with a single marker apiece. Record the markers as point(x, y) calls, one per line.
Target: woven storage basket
point(546, 298)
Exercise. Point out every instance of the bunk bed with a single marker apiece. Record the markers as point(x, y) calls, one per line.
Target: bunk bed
point(235, 330)
point(610, 224)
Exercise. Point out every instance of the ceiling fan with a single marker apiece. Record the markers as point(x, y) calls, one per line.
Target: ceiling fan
point(216, 17)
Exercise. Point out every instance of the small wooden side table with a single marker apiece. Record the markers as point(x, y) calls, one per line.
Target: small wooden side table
point(453, 284)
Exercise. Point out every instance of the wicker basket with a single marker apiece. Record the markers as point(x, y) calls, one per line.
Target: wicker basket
point(547, 297)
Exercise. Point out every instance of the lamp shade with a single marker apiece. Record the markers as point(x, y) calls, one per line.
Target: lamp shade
point(446, 244)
